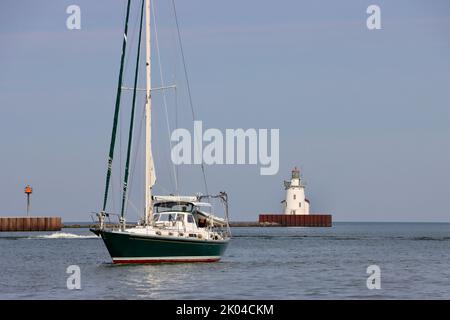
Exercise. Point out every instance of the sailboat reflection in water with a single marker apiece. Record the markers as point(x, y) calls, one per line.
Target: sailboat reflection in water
point(174, 228)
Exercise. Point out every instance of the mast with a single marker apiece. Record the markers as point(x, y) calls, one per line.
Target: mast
point(149, 167)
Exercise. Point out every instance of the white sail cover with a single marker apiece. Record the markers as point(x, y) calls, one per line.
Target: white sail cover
point(216, 221)
point(151, 170)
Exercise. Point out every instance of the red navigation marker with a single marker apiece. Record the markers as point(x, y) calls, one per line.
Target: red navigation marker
point(28, 190)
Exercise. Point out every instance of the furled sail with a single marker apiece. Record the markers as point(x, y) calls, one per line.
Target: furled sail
point(116, 110)
point(133, 108)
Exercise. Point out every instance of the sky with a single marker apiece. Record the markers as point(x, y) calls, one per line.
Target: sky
point(364, 113)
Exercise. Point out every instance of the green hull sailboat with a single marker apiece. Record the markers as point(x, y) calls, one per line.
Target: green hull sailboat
point(174, 228)
point(125, 247)
point(181, 231)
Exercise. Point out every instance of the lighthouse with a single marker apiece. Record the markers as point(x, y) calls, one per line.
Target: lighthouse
point(296, 202)
point(295, 208)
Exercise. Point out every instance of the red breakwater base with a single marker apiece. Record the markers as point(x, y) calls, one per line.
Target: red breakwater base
point(286, 220)
point(11, 224)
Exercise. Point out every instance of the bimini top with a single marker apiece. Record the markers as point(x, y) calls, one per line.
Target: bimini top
point(175, 198)
point(202, 204)
point(193, 200)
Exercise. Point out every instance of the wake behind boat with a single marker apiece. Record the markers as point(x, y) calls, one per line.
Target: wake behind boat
point(174, 228)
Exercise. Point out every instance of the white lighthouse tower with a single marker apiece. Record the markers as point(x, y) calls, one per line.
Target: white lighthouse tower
point(295, 202)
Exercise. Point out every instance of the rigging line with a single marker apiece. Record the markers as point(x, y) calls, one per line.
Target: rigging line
point(131, 41)
point(176, 126)
point(164, 189)
point(188, 86)
point(125, 68)
point(129, 202)
point(164, 93)
point(116, 111)
point(113, 201)
point(120, 123)
point(121, 113)
point(136, 156)
point(174, 80)
point(133, 108)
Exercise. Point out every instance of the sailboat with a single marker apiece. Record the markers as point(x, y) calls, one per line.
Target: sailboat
point(174, 228)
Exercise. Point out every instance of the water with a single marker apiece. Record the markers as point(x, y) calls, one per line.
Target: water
point(260, 263)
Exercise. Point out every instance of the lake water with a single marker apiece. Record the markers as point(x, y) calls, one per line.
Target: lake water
point(260, 263)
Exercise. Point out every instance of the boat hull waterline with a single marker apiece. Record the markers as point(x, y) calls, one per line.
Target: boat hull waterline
point(129, 248)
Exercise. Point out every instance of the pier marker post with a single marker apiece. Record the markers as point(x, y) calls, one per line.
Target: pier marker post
point(28, 192)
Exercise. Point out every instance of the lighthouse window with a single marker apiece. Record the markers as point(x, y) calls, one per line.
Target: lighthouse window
point(295, 196)
point(299, 204)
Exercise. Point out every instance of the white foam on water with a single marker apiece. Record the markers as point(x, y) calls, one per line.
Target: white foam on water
point(63, 235)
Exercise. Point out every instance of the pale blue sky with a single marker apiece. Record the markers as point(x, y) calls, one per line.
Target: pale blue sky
point(364, 113)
